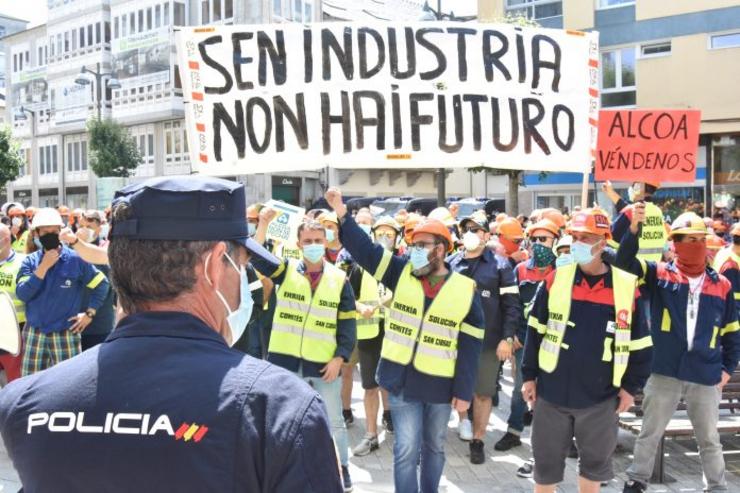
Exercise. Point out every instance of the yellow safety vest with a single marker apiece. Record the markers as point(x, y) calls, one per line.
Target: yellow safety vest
point(369, 328)
point(559, 302)
point(430, 338)
point(653, 237)
point(287, 252)
point(305, 324)
point(19, 245)
point(8, 275)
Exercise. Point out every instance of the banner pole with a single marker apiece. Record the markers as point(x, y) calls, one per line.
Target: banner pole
point(584, 191)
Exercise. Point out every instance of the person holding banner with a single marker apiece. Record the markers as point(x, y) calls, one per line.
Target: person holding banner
point(10, 264)
point(587, 352)
point(496, 284)
point(431, 346)
point(654, 233)
point(314, 329)
point(697, 345)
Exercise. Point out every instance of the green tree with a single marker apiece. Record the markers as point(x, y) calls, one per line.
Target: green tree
point(11, 160)
point(113, 152)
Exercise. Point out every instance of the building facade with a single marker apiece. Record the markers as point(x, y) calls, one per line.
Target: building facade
point(131, 44)
point(657, 54)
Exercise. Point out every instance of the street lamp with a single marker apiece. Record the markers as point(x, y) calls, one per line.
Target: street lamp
point(83, 80)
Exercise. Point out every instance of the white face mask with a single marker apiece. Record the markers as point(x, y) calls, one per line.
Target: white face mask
point(471, 241)
point(239, 318)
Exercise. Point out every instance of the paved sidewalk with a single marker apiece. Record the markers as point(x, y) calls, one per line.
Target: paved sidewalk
point(374, 473)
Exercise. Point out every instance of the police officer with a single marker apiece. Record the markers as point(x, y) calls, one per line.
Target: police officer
point(432, 342)
point(164, 404)
point(586, 354)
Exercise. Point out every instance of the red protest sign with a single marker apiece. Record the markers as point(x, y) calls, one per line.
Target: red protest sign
point(636, 145)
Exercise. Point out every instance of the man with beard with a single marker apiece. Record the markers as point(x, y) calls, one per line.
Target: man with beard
point(432, 342)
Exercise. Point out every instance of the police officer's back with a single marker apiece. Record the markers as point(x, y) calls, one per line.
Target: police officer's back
point(165, 404)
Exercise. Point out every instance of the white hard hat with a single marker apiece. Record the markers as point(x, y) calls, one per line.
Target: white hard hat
point(47, 217)
point(565, 241)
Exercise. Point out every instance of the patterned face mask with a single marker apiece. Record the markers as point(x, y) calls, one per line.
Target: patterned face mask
point(543, 256)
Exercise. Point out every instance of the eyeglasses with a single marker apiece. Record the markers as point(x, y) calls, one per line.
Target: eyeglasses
point(540, 239)
point(472, 229)
point(424, 244)
point(390, 236)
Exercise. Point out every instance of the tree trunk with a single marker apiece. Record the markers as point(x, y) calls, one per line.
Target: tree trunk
point(512, 202)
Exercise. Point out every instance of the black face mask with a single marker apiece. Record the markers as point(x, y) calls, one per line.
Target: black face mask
point(50, 241)
point(736, 240)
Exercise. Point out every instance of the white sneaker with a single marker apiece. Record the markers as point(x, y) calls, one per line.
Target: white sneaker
point(465, 430)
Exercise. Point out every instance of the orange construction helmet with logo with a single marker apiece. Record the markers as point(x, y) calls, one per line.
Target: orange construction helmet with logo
point(553, 215)
point(436, 228)
point(510, 228)
point(592, 220)
point(544, 225)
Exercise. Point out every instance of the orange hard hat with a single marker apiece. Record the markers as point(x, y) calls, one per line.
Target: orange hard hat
point(591, 220)
point(546, 225)
point(735, 230)
point(719, 226)
point(553, 215)
point(30, 212)
point(436, 228)
point(253, 212)
point(500, 217)
point(714, 242)
point(16, 210)
point(510, 228)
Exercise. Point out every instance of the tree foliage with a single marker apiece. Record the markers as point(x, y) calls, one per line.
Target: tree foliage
point(11, 159)
point(113, 152)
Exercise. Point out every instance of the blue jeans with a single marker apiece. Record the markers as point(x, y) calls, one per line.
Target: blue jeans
point(419, 428)
point(331, 394)
point(518, 406)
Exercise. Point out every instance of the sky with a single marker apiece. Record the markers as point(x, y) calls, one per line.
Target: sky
point(34, 11)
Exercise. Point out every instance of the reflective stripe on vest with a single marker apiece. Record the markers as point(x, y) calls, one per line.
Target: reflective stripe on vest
point(305, 324)
point(430, 338)
point(559, 303)
point(8, 275)
point(653, 236)
point(369, 328)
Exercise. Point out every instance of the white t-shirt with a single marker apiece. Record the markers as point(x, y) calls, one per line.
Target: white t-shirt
point(692, 308)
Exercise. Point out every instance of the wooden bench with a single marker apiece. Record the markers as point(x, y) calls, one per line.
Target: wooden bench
point(680, 425)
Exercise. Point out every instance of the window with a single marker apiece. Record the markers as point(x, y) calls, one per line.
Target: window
point(124, 26)
point(535, 9)
point(618, 78)
point(277, 8)
point(54, 168)
point(98, 37)
point(307, 11)
point(66, 42)
point(216, 10)
point(140, 26)
point(228, 9)
point(15, 62)
point(106, 33)
point(73, 35)
point(89, 35)
point(83, 153)
point(731, 40)
point(116, 31)
point(655, 49)
point(605, 4)
point(166, 14)
point(132, 22)
point(82, 37)
point(149, 19)
point(157, 16)
point(204, 17)
point(178, 14)
point(40, 59)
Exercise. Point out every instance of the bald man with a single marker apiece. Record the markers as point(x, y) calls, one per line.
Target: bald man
point(10, 263)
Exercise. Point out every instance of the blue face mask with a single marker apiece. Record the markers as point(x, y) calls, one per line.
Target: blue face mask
point(251, 229)
point(365, 227)
point(581, 252)
point(239, 318)
point(38, 244)
point(330, 236)
point(314, 252)
point(419, 258)
point(564, 259)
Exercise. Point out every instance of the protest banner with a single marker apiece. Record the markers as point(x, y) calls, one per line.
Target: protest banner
point(284, 227)
point(636, 145)
point(286, 97)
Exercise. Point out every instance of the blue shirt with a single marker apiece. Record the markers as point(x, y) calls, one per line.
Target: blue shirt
point(716, 345)
point(214, 419)
point(53, 300)
point(397, 378)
